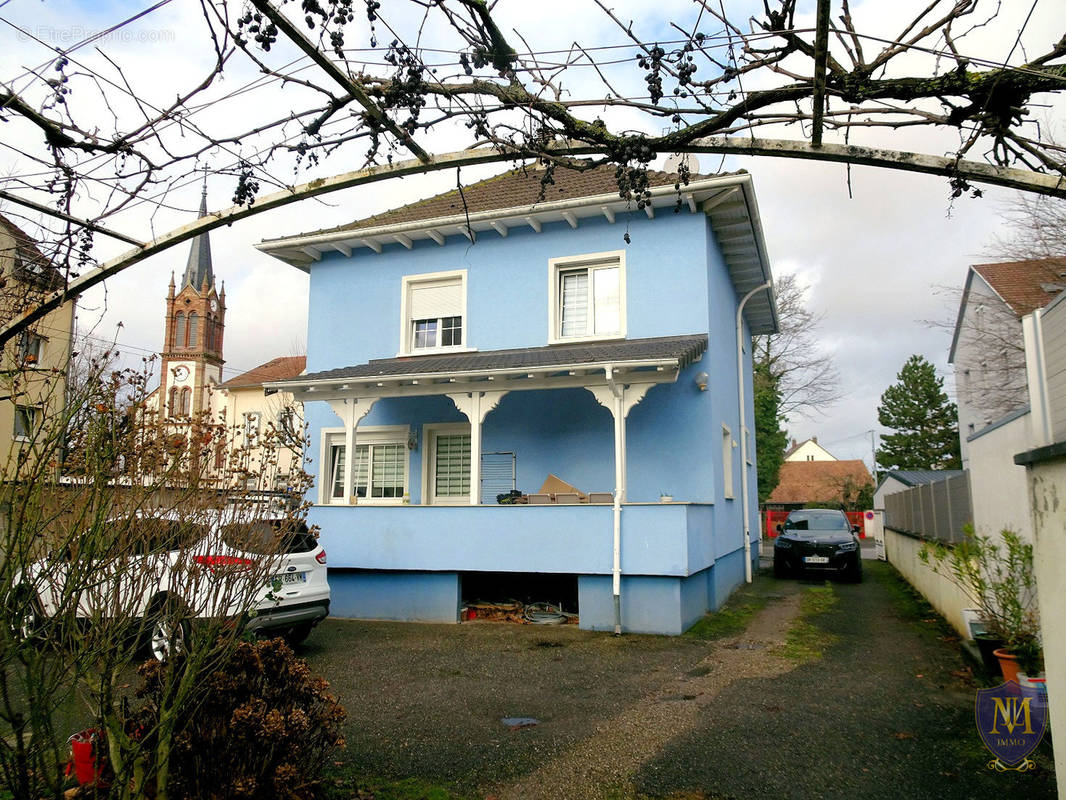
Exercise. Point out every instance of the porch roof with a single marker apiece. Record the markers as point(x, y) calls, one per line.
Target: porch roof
point(652, 360)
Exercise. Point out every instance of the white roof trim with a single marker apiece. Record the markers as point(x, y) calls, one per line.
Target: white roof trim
point(288, 249)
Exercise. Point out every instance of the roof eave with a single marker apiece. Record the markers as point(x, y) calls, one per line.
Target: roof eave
point(449, 376)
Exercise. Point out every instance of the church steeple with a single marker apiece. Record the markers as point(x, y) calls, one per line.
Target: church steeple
point(198, 272)
point(195, 326)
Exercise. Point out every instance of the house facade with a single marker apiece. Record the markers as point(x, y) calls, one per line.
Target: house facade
point(259, 439)
point(808, 450)
point(987, 349)
point(561, 331)
point(36, 363)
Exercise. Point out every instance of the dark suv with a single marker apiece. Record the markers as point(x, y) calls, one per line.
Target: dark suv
point(817, 540)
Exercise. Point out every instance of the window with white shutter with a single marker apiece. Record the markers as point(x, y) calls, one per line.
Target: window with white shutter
point(379, 471)
point(447, 475)
point(434, 312)
point(587, 297)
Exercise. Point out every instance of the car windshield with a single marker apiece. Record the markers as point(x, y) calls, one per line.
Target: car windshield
point(812, 521)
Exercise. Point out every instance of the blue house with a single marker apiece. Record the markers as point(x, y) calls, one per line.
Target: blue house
point(481, 341)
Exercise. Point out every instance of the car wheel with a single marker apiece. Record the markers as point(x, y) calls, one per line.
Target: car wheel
point(168, 630)
point(296, 634)
point(781, 570)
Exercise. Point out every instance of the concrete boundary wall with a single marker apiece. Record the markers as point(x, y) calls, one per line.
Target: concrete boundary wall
point(943, 595)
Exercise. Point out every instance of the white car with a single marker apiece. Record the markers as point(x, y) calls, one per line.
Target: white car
point(269, 575)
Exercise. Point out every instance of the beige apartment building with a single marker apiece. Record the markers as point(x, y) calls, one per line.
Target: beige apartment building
point(34, 374)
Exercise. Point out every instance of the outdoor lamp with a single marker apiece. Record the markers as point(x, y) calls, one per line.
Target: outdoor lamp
point(701, 381)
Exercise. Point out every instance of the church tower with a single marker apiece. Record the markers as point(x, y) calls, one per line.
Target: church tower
point(192, 347)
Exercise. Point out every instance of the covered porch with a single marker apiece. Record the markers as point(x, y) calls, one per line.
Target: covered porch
point(423, 521)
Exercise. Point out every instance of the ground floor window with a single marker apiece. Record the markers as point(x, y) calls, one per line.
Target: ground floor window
point(448, 476)
point(379, 471)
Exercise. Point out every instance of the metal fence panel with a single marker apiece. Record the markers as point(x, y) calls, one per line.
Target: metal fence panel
point(933, 511)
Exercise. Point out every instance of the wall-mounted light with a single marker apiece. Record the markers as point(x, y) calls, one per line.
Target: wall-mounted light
point(701, 381)
point(412, 439)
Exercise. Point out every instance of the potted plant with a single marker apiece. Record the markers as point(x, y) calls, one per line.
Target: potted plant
point(665, 497)
point(998, 577)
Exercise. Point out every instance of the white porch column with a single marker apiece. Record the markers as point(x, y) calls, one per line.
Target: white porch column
point(351, 410)
point(619, 400)
point(476, 406)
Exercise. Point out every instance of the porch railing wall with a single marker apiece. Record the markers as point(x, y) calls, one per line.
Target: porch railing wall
point(933, 511)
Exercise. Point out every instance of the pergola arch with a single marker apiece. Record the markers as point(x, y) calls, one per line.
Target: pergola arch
point(971, 171)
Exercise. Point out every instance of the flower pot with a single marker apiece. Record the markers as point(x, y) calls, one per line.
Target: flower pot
point(666, 498)
point(1008, 664)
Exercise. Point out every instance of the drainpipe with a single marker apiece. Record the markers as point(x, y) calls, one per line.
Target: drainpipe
point(744, 428)
point(619, 490)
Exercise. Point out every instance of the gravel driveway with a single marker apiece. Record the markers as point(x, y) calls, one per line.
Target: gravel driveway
point(885, 711)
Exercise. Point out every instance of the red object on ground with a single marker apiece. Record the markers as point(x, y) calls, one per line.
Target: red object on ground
point(83, 756)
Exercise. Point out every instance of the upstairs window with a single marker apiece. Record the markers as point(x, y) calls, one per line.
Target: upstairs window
point(179, 330)
point(434, 312)
point(193, 330)
point(587, 296)
point(31, 348)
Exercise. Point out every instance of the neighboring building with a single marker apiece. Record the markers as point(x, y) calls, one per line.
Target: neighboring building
point(192, 360)
point(803, 482)
point(809, 450)
point(244, 402)
point(987, 349)
point(39, 358)
point(899, 480)
point(263, 429)
point(512, 318)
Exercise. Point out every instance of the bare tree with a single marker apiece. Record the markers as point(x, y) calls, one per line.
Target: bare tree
point(805, 376)
point(96, 138)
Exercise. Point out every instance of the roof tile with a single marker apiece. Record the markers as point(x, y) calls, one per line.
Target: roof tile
point(817, 481)
point(1025, 285)
point(278, 369)
point(517, 188)
point(685, 349)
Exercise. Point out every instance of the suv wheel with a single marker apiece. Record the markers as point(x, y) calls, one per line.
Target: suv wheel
point(168, 630)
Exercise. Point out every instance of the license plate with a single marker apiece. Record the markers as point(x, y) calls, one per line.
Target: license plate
point(290, 577)
point(815, 559)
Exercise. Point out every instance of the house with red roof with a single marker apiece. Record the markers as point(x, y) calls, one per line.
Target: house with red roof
point(987, 348)
point(991, 381)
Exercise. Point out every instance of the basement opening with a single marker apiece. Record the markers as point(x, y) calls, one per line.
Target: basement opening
point(522, 597)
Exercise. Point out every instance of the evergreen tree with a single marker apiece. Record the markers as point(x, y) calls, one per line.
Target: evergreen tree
point(770, 438)
point(925, 422)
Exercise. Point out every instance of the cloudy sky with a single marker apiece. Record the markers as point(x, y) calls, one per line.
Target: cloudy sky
point(874, 261)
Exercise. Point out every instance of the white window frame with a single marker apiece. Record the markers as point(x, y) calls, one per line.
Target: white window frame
point(408, 282)
point(31, 344)
point(429, 462)
point(31, 415)
point(370, 435)
point(728, 468)
point(556, 266)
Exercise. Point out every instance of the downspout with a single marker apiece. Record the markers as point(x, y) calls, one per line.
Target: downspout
point(619, 488)
point(744, 428)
